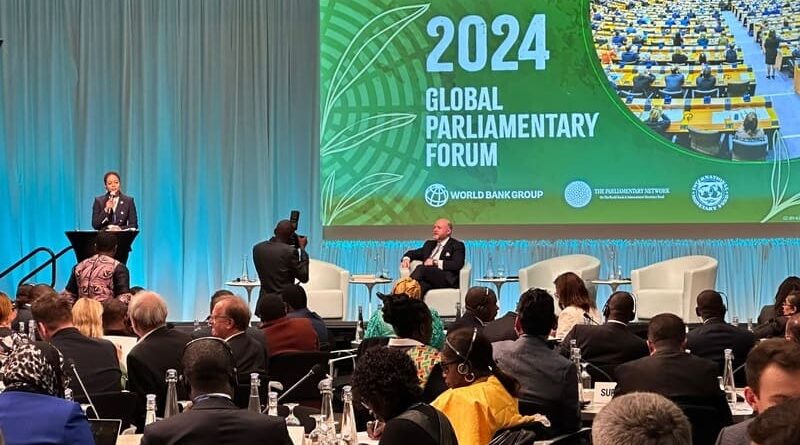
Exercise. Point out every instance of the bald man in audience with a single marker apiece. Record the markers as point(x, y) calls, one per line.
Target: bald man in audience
point(159, 349)
point(611, 344)
point(641, 418)
point(442, 259)
point(480, 306)
point(229, 320)
point(793, 328)
point(773, 376)
point(710, 339)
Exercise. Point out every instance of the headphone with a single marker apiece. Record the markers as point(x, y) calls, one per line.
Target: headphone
point(465, 368)
point(481, 307)
point(233, 377)
point(607, 310)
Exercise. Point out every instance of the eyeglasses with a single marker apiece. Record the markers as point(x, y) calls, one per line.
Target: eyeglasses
point(213, 318)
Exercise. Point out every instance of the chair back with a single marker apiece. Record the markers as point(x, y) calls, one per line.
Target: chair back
point(748, 150)
point(706, 141)
point(705, 420)
point(289, 367)
point(737, 88)
point(676, 94)
point(554, 412)
point(241, 394)
point(697, 92)
point(116, 405)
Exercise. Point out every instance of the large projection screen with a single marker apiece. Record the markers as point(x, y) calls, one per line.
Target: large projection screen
point(500, 116)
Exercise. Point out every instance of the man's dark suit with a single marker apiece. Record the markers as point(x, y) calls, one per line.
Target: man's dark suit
point(148, 363)
point(468, 321)
point(714, 336)
point(706, 83)
point(735, 434)
point(248, 354)
point(501, 328)
point(545, 378)
point(124, 216)
point(452, 259)
point(95, 359)
point(252, 331)
point(606, 346)
point(683, 378)
point(278, 265)
point(217, 421)
point(642, 83)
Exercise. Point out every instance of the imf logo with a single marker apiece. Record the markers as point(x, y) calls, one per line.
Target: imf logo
point(578, 194)
point(436, 195)
point(710, 192)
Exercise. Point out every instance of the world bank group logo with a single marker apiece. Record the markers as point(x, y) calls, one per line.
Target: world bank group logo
point(710, 192)
point(436, 195)
point(578, 194)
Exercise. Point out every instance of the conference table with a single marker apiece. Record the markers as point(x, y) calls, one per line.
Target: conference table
point(623, 77)
point(741, 412)
point(129, 439)
point(720, 114)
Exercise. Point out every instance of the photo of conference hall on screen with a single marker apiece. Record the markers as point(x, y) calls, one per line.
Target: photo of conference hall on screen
point(717, 78)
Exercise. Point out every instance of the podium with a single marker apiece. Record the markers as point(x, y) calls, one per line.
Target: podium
point(82, 242)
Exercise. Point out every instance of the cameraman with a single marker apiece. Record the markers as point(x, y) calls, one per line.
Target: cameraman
point(278, 262)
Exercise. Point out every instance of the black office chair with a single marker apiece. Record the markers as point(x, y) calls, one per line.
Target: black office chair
point(697, 92)
point(738, 89)
point(748, 150)
point(115, 405)
point(706, 422)
point(241, 394)
point(288, 368)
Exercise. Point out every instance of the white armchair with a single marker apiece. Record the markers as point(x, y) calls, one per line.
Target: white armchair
point(543, 273)
point(672, 286)
point(444, 300)
point(327, 289)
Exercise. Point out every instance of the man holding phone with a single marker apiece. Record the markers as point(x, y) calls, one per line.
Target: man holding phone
point(280, 260)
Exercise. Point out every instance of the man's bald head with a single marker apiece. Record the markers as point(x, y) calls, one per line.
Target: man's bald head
point(147, 311)
point(442, 229)
point(792, 332)
point(284, 230)
point(710, 305)
point(621, 307)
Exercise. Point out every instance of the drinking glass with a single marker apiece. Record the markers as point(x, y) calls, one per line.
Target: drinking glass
point(291, 419)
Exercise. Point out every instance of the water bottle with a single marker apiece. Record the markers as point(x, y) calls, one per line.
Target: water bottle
point(735, 321)
point(272, 403)
point(68, 394)
point(171, 406)
point(586, 379)
point(750, 324)
point(326, 390)
point(360, 324)
point(196, 325)
point(349, 431)
point(727, 379)
point(576, 360)
point(150, 405)
point(490, 268)
point(458, 310)
point(21, 328)
point(32, 330)
point(244, 276)
point(254, 403)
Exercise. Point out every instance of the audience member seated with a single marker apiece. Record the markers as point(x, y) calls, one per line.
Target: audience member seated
point(95, 359)
point(674, 80)
point(773, 375)
point(386, 382)
point(501, 328)
point(205, 331)
point(618, 39)
point(22, 304)
point(706, 81)
point(670, 371)
point(32, 408)
point(611, 344)
point(100, 276)
point(214, 419)
point(546, 379)
point(777, 425)
point(23, 310)
point(8, 338)
point(480, 307)
point(642, 81)
point(750, 131)
point(702, 59)
point(228, 321)
point(776, 327)
point(774, 310)
point(608, 55)
point(115, 319)
point(677, 40)
point(641, 419)
point(443, 258)
point(793, 329)
point(379, 327)
point(679, 58)
point(575, 303)
point(87, 316)
point(730, 54)
point(702, 40)
point(658, 121)
point(629, 56)
point(715, 335)
point(284, 334)
point(297, 307)
point(482, 398)
point(159, 349)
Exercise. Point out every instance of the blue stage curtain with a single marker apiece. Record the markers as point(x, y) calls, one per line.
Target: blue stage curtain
point(750, 270)
point(207, 108)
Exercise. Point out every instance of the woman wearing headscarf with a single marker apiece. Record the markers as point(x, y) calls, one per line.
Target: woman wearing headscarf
point(379, 327)
point(32, 408)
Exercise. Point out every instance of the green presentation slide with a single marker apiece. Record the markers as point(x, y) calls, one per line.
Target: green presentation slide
point(501, 113)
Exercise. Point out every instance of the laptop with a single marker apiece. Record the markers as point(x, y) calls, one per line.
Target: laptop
point(105, 431)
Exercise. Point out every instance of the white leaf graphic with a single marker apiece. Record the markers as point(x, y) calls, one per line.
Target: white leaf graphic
point(367, 185)
point(375, 125)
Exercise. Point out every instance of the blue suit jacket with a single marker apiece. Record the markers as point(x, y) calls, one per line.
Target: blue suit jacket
point(125, 213)
point(36, 419)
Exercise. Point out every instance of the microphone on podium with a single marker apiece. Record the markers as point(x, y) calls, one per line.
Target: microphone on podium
point(591, 320)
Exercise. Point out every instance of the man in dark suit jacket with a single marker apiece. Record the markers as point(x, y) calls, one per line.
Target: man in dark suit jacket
point(159, 349)
point(642, 81)
point(683, 378)
point(284, 334)
point(611, 344)
point(714, 336)
point(279, 263)
point(481, 307)
point(546, 379)
point(773, 376)
point(113, 207)
point(229, 320)
point(94, 358)
point(442, 259)
point(297, 307)
point(501, 328)
point(205, 331)
point(214, 419)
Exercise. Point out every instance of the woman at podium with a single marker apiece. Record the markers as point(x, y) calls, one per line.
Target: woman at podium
point(114, 210)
